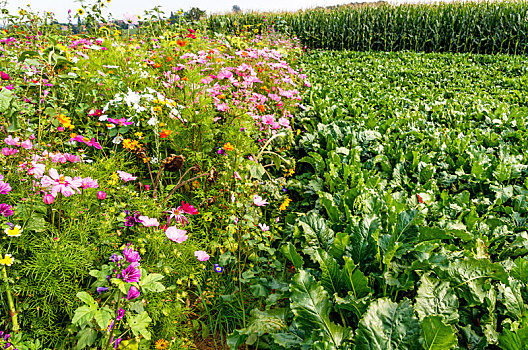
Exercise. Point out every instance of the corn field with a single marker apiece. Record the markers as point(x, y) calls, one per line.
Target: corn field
point(483, 27)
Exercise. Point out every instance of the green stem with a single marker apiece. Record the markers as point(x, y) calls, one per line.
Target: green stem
point(12, 311)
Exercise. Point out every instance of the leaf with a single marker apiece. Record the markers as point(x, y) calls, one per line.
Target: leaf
point(290, 252)
point(512, 299)
point(6, 97)
point(331, 208)
point(311, 306)
point(520, 270)
point(388, 326)
point(317, 233)
point(355, 280)
point(363, 245)
point(437, 335)
point(86, 298)
point(139, 323)
point(509, 340)
point(436, 297)
point(86, 337)
point(151, 282)
point(84, 315)
point(103, 317)
point(257, 170)
point(330, 272)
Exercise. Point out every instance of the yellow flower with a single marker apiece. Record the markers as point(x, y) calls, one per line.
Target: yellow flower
point(21, 12)
point(228, 147)
point(289, 172)
point(108, 1)
point(285, 204)
point(298, 132)
point(138, 134)
point(80, 12)
point(130, 144)
point(161, 344)
point(7, 260)
point(13, 232)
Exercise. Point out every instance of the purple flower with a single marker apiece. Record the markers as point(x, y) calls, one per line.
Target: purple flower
point(111, 326)
point(117, 342)
point(115, 257)
point(120, 313)
point(131, 274)
point(221, 152)
point(131, 255)
point(5, 188)
point(6, 210)
point(133, 293)
point(218, 268)
point(102, 289)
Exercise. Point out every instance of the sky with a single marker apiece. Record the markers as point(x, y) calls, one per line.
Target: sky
point(119, 7)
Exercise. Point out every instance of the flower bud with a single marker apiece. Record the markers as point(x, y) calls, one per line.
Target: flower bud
point(101, 195)
point(48, 199)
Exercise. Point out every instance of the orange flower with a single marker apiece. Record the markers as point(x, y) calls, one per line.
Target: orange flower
point(165, 133)
point(228, 147)
point(260, 108)
point(181, 43)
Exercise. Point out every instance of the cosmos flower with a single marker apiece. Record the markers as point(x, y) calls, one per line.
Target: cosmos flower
point(176, 235)
point(5, 188)
point(258, 201)
point(6, 210)
point(178, 215)
point(201, 255)
point(126, 176)
point(148, 222)
point(60, 183)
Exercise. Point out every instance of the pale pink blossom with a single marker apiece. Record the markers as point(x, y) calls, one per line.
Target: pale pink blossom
point(5, 188)
point(88, 182)
point(176, 235)
point(12, 141)
point(26, 144)
point(258, 201)
point(126, 176)
point(264, 227)
point(237, 176)
point(9, 151)
point(201, 255)
point(148, 222)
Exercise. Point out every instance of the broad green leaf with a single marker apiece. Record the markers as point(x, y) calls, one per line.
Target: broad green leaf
point(331, 208)
point(151, 282)
point(84, 315)
point(86, 298)
point(103, 317)
point(139, 323)
point(437, 335)
point(520, 270)
point(363, 244)
point(257, 171)
point(512, 299)
point(355, 280)
point(436, 297)
point(290, 252)
point(311, 306)
point(85, 337)
point(316, 233)
point(331, 278)
point(389, 326)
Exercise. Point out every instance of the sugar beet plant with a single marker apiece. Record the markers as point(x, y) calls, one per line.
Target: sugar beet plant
point(409, 230)
point(478, 27)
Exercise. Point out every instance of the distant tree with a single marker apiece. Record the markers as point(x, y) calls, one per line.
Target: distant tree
point(236, 9)
point(194, 14)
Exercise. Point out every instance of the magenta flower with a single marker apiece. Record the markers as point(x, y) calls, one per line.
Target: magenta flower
point(201, 255)
point(133, 293)
point(131, 255)
point(120, 121)
point(126, 176)
point(258, 201)
point(94, 144)
point(9, 151)
point(120, 313)
point(178, 215)
point(176, 235)
point(4, 76)
point(131, 273)
point(148, 222)
point(5, 188)
point(6, 210)
point(48, 199)
point(60, 183)
point(101, 195)
point(72, 158)
point(188, 209)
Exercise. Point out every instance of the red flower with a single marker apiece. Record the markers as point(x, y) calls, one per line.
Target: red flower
point(420, 200)
point(165, 133)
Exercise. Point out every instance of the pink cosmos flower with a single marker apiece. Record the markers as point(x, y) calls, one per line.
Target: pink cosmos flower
point(60, 183)
point(130, 19)
point(9, 151)
point(12, 141)
point(37, 170)
point(264, 227)
point(178, 215)
point(5, 188)
point(126, 176)
point(237, 176)
point(284, 122)
point(176, 235)
point(26, 144)
point(72, 158)
point(120, 121)
point(258, 201)
point(201, 255)
point(94, 144)
point(148, 222)
point(88, 182)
